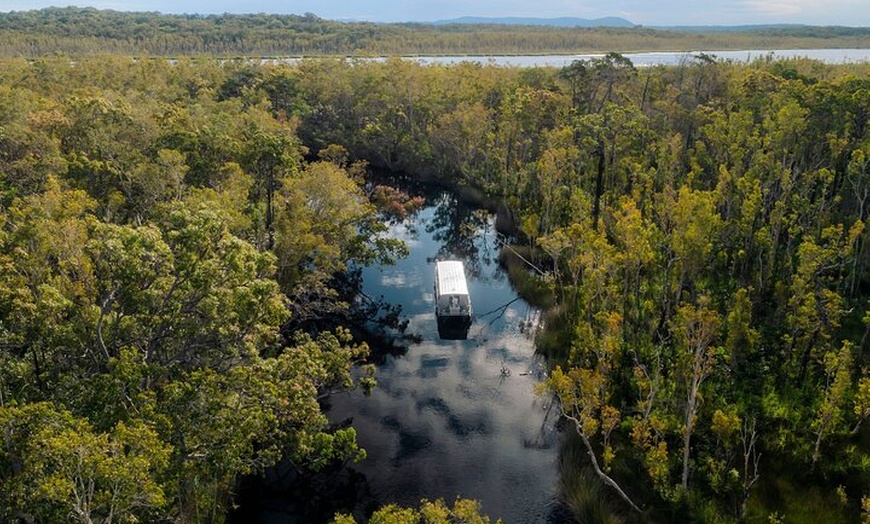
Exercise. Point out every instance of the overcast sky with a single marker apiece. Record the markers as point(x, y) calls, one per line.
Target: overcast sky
point(645, 12)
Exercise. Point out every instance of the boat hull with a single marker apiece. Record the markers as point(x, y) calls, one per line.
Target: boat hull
point(453, 327)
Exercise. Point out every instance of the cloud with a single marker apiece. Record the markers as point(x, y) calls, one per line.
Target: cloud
point(814, 12)
point(774, 9)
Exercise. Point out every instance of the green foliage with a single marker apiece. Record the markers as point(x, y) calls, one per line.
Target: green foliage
point(704, 228)
point(325, 220)
point(56, 467)
point(838, 369)
point(143, 368)
point(152, 335)
point(464, 511)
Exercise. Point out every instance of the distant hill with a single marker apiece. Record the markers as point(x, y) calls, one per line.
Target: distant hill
point(610, 21)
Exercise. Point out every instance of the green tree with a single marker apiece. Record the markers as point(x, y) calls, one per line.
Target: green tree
point(169, 332)
point(464, 511)
point(56, 467)
point(829, 415)
point(696, 329)
point(324, 223)
point(814, 308)
point(579, 393)
point(242, 421)
point(194, 295)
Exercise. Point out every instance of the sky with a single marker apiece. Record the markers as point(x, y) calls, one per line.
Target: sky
point(854, 13)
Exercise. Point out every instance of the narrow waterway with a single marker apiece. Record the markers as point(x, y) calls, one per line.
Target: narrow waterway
point(457, 417)
point(448, 418)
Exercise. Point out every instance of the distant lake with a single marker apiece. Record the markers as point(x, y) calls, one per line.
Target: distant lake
point(828, 56)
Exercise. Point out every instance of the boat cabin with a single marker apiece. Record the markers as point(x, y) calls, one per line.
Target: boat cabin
point(451, 290)
point(452, 302)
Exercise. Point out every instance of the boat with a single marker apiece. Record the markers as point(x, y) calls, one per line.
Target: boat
point(452, 302)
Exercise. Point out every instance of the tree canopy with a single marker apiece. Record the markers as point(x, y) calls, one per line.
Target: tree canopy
point(168, 227)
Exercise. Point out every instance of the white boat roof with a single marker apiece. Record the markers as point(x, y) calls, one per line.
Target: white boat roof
point(451, 277)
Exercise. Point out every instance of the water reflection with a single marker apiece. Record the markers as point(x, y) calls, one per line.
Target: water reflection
point(457, 417)
point(453, 328)
point(456, 231)
point(449, 417)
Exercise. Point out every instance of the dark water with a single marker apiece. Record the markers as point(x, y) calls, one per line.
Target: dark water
point(448, 418)
point(457, 417)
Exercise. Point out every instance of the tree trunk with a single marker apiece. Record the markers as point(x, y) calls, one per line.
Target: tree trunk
point(687, 438)
point(751, 459)
point(599, 183)
point(598, 471)
point(270, 218)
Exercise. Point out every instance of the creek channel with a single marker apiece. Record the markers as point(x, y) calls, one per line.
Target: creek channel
point(448, 418)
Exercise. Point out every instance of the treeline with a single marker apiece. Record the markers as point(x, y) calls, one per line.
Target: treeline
point(88, 31)
point(167, 227)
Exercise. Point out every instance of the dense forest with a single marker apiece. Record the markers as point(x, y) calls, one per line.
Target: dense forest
point(88, 31)
point(175, 235)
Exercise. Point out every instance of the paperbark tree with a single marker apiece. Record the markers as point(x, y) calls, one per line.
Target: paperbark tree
point(696, 329)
